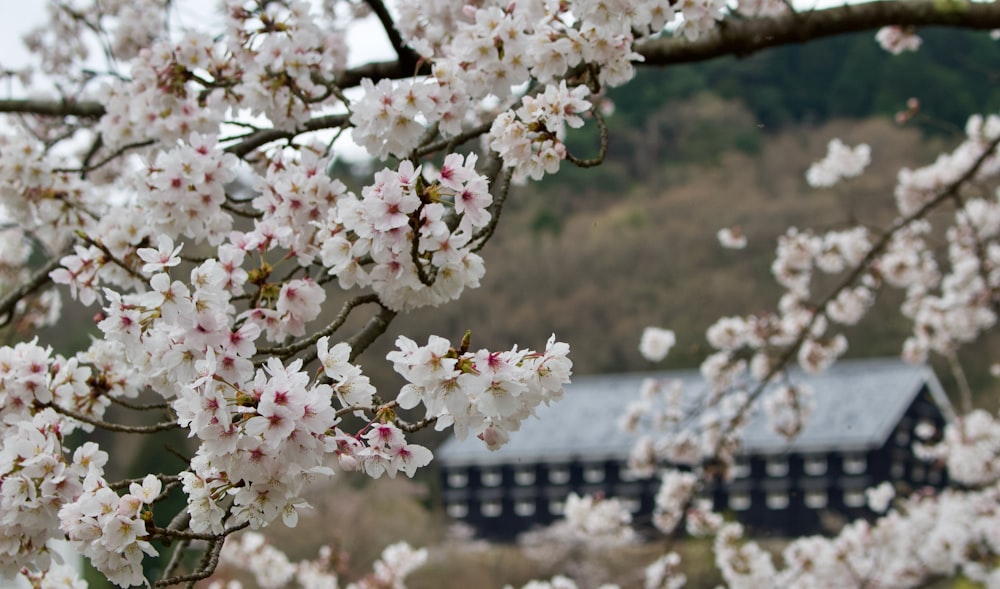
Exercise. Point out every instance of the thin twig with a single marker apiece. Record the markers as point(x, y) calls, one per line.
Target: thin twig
point(115, 427)
point(604, 144)
point(375, 327)
point(38, 280)
point(137, 406)
point(337, 323)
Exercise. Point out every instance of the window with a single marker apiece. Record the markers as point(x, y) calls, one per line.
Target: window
point(925, 430)
point(593, 473)
point(491, 508)
point(557, 506)
point(854, 498)
point(741, 468)
point(632, 504)
point(902, 437)
point(854, 463)
point(524, 507)
point(918, 472)
point(457, 509)
point(524, 476)
point(739, 501)
point(627, 474)
point(777, 467)
point(777, 499)
point(814, 465)
point(558, 475)
point(491, 477)
point(457, 478)
point(934, 476)
point(897, 470)
point(816, 498)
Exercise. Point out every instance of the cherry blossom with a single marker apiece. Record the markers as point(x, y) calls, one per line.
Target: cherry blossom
point(180, 178)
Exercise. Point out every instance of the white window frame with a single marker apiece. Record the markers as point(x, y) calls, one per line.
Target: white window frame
point(525, 507)
point(740, 501)
point(458, 479)
point(491, 477)
point(741, 468)
point(854, 463)
point(903, 436)
point(816, 498)
point(776, 500)
point(559, 474)
point(855, 498)
point(557, 506)
point(524, 476)
point(776, 466)
point(814, 465)
point(631, 503)
point(594, 473)
point(491, 508)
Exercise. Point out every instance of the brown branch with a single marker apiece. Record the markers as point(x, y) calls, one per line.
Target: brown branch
point(186, 535)
point(500, 189)
point(87, 167)
point(265, 136)
point(603, 153)
point(53, 108)
point(338, 321)
point(137, 406)
point(451, 142)
point(114, 427)
point(375, 327)
point(744, 37)
point(38, 280)
point(407, 56)
point(377, 70)
point(124, 483)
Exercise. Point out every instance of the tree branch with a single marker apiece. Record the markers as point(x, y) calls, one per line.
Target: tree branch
point(53, 108)
point(265, 136)
point(407, 56)
point(38, 280)
point(744, 37)
point(375, 327)
point(114, 427)
point(339, 321)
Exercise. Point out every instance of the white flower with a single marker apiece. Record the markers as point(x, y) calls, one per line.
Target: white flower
point(897, 40)
point(655, 343)
point(840, 162)
point(880, 496)
point(731, 238)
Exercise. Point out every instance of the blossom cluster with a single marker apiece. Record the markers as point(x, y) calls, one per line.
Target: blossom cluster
point(271, 568)
point(37, 478)
point(402, 224)
point(840, 162)
point(600, 520)
point(111, 530)
point(896, 39)
point(529, 139)
point(485, 394)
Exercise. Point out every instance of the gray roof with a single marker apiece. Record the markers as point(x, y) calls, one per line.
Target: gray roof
point(857, 405)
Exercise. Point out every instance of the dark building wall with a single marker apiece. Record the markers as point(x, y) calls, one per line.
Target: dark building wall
point(789, 494)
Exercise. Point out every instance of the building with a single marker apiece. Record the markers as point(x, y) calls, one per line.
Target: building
point(859, 435)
